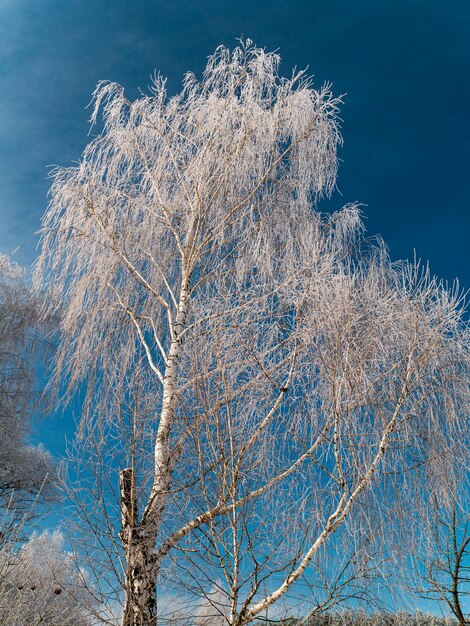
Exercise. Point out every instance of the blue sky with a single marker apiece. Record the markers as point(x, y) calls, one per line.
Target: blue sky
point(403, 65)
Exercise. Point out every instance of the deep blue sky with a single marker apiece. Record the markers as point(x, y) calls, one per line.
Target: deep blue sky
point(404, 65)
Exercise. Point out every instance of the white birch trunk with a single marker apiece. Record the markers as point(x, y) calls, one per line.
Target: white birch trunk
point(140, 606)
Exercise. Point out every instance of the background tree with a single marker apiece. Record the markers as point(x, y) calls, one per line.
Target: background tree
point(443, 563)
point(26, 471)
point(41, 584)
point(278, 369)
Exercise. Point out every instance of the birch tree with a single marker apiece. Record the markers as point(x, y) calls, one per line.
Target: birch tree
point(285, 368)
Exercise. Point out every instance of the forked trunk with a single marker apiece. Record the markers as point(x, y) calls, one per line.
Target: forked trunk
point(138, 538)
point(140, 604)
